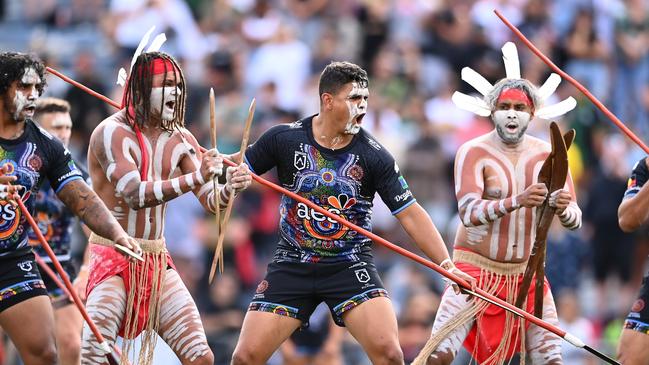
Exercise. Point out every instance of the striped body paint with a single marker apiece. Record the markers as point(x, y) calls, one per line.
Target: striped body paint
point(489, 175)
point(180, 323)
point(115, 163)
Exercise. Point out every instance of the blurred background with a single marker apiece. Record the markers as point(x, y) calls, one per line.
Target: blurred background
point(274, 50)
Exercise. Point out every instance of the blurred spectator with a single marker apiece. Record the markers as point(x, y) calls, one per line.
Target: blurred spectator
point(571, 320)
point(86, 110)
point(289, 76)
point(632, 65)
point(587, 54)
point(612, 249)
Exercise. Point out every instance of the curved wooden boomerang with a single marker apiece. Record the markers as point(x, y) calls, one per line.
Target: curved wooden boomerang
point(465, 287)
point(574, 82)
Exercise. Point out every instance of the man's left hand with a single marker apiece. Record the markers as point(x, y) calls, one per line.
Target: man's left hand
point(238, 178)
point(559, 199)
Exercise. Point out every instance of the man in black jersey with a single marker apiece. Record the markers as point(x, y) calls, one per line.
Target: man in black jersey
point(56, 222)
point(329, 159)
point(31, 156)
point(633, 348)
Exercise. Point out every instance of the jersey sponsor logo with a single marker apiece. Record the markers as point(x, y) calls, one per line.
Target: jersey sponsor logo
point(69, 174)
point(9, 220)
point(300, 160)
point(307, 213)
point(403, 197)
point(374, 144)
point(25, 266)
point(362, 275)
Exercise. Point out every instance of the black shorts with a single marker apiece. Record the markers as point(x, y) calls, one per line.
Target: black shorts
point(19, 280)
point(294, 289)
point(58, 296)
point(638, 318)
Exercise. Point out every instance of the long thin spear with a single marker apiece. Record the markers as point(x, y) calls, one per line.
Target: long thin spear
point(217, 194)
point(573, 340)
point(228, 210)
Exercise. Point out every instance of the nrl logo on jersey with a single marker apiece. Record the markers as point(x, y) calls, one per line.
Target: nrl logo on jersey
point(300, 160)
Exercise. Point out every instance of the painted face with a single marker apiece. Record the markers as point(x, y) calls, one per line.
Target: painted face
point(59, 125)
point(357, 106)
point(26, 94)
point(165, 95)
point(511, 117)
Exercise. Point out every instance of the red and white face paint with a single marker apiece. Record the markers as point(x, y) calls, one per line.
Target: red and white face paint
point(512, 115)
point(26, 95)
point(357, 106)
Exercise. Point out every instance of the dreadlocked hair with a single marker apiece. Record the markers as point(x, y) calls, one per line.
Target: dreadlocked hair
point(13, 66)
point(137, 96)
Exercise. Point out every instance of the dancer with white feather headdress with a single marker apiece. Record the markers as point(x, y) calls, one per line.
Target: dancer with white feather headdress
point(139, 159)
point(498, 191)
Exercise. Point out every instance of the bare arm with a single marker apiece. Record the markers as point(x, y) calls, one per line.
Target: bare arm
point(633, 211)
point(566, 202)
point(421, 229)
point(83, 202)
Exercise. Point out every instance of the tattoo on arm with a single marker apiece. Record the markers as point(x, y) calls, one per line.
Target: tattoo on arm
point(79, 198)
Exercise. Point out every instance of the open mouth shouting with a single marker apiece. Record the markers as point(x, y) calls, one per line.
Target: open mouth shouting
point(30, 109)
point(511, 127)
point(359, 118)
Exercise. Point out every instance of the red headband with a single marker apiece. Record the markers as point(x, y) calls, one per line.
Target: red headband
point(517, 95)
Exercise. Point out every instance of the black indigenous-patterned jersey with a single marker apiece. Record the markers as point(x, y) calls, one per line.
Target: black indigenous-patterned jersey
point(638, 178)
point(55, 222)
point(341, 181)
point(33, 157)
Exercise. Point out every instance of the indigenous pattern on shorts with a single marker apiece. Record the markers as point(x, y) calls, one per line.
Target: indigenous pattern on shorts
point(24, 286)
point(342, 181)
point(33, 157)
point(359, 299)
point(55, 222)
point(282, 310)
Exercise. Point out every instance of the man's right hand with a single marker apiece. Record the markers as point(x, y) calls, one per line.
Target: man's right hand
point(7, 191)
point(533, 196)
point(211, 165)
point(131, 244)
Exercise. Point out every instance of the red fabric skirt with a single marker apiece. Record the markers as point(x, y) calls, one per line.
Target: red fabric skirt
point(105, 262)
point(488, 329)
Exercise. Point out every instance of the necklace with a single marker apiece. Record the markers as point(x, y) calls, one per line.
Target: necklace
point(334, 141)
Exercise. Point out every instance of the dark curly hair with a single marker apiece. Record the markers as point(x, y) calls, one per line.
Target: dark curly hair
point(13, 66)
point(137, 95)
point(337, 74)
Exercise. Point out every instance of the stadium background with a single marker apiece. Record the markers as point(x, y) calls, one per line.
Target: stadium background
point(413, 50)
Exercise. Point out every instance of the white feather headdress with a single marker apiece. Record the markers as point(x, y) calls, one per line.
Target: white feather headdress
point(513, 71)
point(154, 47)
